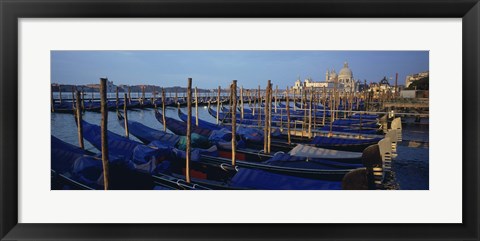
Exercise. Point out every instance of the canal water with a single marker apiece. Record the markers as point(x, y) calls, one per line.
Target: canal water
point(411, 167)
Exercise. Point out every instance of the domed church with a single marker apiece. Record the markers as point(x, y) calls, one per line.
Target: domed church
point(344, 79)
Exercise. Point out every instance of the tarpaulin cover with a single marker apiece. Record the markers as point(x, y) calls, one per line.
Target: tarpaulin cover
point(250, 134)
point(147, 134)
point(220, 136)
point(224, 117)
point(330, 141)
point(63, 155)
point(143, 154)
point(355, 121)
point(201, 123)
point(364, 116)
point(316, 152)
point(263, 180)
point(88, 170)
point(286, 160)
point(196, 140)
point(180, 128)
point(227, 145)
point(117, 145)
point(121, 147)
point(350, 130)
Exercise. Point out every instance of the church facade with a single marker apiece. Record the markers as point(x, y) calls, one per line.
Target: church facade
point(344, 81)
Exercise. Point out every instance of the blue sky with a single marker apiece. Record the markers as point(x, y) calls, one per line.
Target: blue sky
point(212, 68)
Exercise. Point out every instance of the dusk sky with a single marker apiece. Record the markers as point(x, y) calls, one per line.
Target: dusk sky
point(209, 69)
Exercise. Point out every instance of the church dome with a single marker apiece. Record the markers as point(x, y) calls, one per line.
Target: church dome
point(345, 71)
point(384, 81)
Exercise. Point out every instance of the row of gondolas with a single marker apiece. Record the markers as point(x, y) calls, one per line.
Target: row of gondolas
point(356, 154)
point(68, 106)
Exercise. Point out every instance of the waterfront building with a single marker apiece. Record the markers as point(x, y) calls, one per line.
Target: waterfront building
point(344, 81)
point(413, 77)
point(110, 86)
point(383, 86)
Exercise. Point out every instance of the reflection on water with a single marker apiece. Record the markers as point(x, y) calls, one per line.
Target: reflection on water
point(411, 168)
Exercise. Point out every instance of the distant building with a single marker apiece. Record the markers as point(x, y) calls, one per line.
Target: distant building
point(309, 83)
point(110, 86)
point(413, 77)
point(361, 86)
point(344, 81)
point(384, 85)
point(381, 87)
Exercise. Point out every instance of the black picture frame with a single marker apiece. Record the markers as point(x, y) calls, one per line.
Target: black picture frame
point(11, 11)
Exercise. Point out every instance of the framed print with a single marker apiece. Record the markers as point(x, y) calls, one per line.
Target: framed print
point(257, 111)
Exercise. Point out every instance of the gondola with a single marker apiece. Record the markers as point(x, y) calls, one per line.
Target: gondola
point(75, 168)
point(202, 123)
point(160, 158)
point(353, 130)
point(345, 125)
point(248, 154)
point(225, 118)
point(89, 105)
point(179, 127)
point(141, 131)
point(118, 145)
point(246, 137)
point(344, 122)
point(279, 141)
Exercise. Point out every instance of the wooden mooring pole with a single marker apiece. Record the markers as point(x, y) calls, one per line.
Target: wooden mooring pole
point(129, 95)
point(269, 133)
point(324, 105)
point(116, 97)
point(163, 110)
point(52, 100)
point(288, 117)
point(259, 102)
point(276, 96)
point(125, 114)
point(294, 100)
point(196, 107)
point(154, 99)
point(357, 101)
point(176, 95)
point(331, 114)
point(60, 93)
point(316, 102)
point(78, 112)
point(218, 105)
point(234, 120)
point(254, 107)
point(189, 128)
point(104, 128)
point(83, 101)
point(143, 95)
point(351, 103)
point(310, 114)
point(73, 97)
point(265, 130)
point(241, 100)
